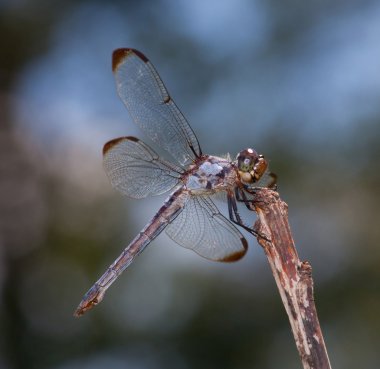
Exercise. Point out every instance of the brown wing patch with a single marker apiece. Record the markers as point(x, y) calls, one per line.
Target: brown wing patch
point(237, 255)
point(110, 144)
point(117, 57)
point(120, 54)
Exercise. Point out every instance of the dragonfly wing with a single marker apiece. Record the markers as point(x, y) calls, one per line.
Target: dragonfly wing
point(202, 228)
point(136, 170)
point(151, 107)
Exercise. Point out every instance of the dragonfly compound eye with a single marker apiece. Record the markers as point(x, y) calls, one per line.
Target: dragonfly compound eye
point(246, 161)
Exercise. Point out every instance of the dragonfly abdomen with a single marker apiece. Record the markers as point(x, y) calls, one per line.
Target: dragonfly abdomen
point(167, 213)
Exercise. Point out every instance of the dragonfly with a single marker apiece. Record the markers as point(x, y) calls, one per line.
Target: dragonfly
point(189, 215)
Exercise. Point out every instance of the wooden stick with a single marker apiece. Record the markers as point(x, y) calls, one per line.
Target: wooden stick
point(293, 278)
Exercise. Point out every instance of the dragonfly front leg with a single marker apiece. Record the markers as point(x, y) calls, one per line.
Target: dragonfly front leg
point(273, 181)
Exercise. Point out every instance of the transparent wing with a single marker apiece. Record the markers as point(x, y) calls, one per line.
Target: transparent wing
point(202, 228)
point(151, 107)
point(136, 170)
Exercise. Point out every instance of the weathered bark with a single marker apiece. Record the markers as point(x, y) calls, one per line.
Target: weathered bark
point(293, 278)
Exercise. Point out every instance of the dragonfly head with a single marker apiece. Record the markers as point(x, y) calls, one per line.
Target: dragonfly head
point(251, 165)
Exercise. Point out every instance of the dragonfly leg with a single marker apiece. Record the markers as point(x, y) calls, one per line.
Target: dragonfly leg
point(235, 216)
point(241, 197)
point(273, 183)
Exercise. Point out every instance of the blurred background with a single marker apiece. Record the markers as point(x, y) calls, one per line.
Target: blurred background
point(298, 81)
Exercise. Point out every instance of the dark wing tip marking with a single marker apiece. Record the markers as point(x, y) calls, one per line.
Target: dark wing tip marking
point(120, 54)
point(237, 255)
point(117, 57)
point(110, 144)
point(167, 99)
point(140, 55)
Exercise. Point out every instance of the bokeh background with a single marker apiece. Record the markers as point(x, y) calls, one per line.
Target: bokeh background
point(297, 80)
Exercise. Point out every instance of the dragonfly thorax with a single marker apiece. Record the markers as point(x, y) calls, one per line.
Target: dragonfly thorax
point(251, 165)
point(210, 175)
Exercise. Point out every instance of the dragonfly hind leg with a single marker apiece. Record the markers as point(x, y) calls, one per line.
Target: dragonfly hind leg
point(234, 213)
point(236, 218)
point(240, 196)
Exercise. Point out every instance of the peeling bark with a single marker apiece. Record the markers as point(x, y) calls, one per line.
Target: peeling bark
point(293, 278)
